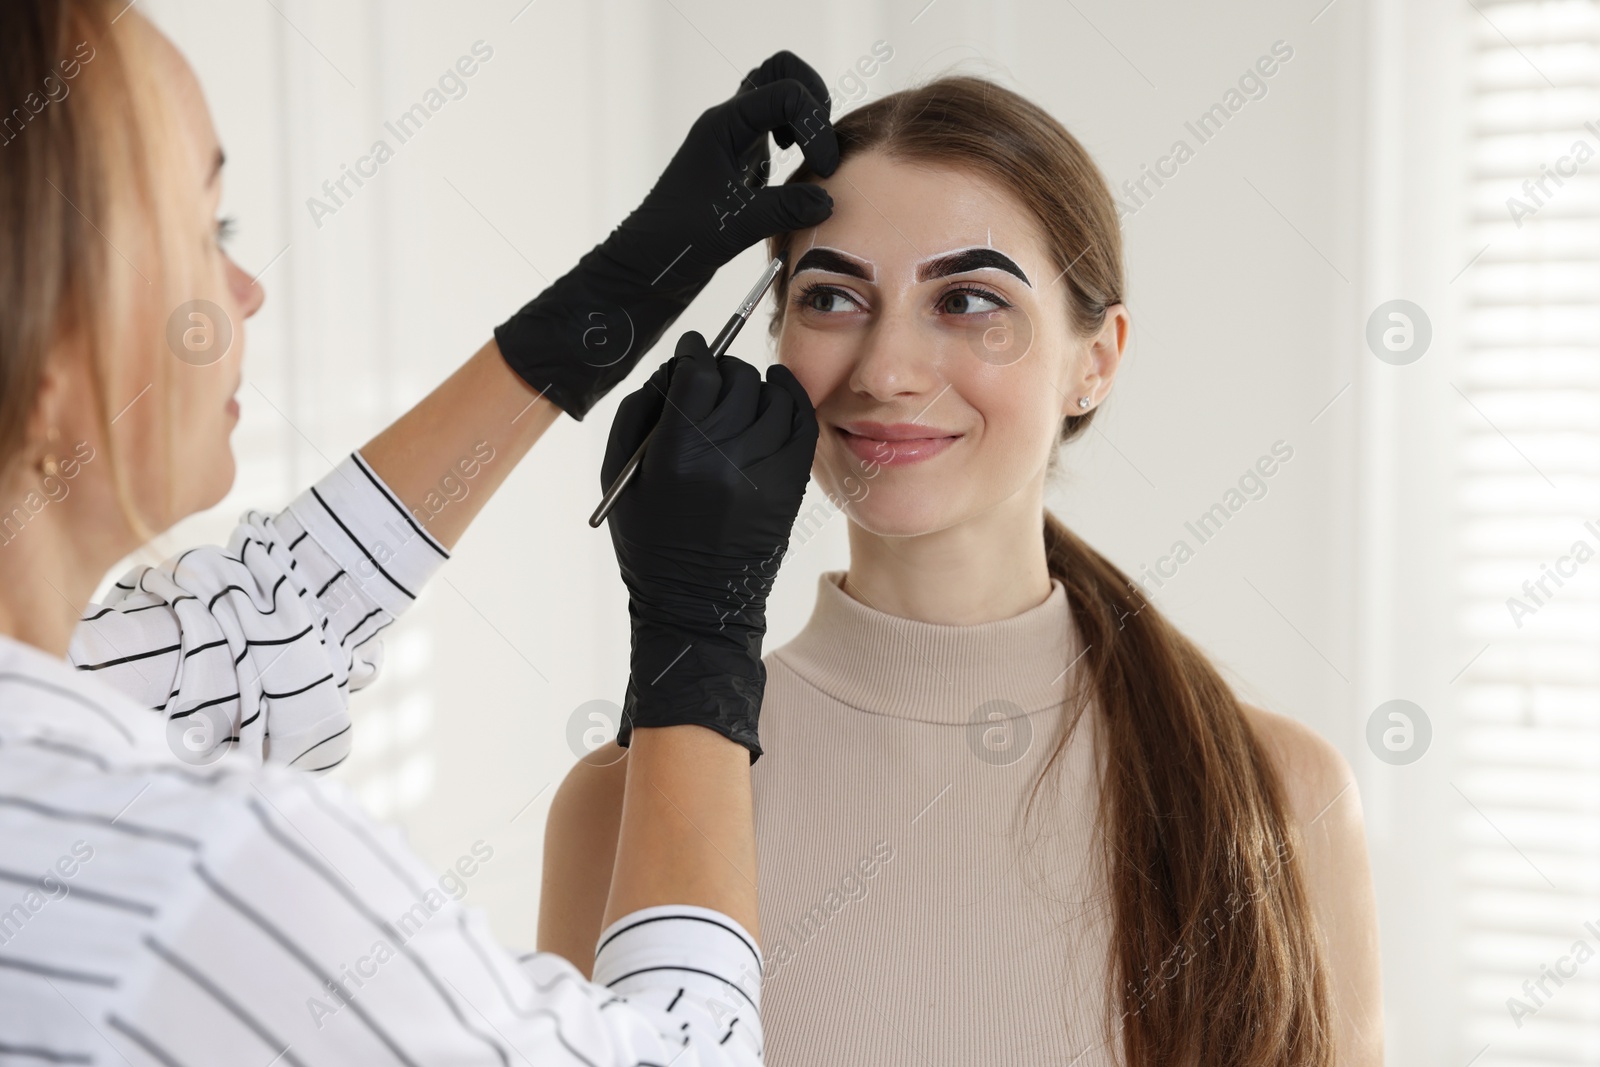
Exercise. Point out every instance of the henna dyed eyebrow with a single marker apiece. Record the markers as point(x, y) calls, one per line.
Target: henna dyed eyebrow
point(834, 262)
point(969, 259)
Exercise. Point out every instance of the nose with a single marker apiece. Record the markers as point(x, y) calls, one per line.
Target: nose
point(897, 358)
point(246, 291)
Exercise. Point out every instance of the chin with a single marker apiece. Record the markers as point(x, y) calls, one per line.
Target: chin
point(889, 513)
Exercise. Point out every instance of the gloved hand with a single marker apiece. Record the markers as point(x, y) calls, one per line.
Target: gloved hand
point(585, 333)
point(700, 531)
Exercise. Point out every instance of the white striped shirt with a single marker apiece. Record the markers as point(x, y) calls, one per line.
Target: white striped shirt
point(157, 913)
point(251, 650)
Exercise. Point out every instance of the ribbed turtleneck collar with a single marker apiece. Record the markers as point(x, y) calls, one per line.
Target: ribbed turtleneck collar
point(930, 672)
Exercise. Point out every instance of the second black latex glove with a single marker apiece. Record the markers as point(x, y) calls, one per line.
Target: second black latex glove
point(700, 531)
point(585, 333)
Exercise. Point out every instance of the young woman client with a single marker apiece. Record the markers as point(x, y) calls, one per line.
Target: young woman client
point(1011, 815)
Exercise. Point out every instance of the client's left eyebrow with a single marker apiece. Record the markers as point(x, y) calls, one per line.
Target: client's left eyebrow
point(968, 259)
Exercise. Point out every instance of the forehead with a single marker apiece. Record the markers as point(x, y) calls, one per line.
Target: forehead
point(896, 213)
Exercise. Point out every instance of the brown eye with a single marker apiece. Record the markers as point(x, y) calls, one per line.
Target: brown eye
point(969, 302)
point(824, 299)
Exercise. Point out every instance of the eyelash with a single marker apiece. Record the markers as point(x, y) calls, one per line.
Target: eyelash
point(227, 229)
point(808, 291)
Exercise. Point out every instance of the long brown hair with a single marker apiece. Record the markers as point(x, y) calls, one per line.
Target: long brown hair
point(90, 256)
point(1215, 956)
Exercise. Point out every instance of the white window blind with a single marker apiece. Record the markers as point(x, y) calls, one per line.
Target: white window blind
point(1529, 467)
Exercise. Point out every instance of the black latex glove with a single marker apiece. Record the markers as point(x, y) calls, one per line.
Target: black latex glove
point(700, 531)
point(585, 333)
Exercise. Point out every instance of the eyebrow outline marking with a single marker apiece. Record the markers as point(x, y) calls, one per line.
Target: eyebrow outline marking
point(963, 260)
point(834, 261)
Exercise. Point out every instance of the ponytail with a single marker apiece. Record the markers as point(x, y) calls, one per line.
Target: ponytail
point(1215, 958)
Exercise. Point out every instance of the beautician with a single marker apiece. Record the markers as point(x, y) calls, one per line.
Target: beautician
point(158, 912)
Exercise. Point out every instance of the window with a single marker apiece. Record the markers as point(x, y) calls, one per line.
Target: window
point(1529, 456)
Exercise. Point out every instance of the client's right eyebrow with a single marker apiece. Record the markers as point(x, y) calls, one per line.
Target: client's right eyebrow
point(834, 262)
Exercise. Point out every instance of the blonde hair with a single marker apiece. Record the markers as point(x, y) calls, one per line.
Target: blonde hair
point(93, 208)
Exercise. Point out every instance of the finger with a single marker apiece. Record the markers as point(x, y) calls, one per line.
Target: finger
point(786, 64)
point(737, 404)
point(636, 416)
point(656, 384)
point(789, 103)
point(781, 209)
point(782, 377)
point(696, 382)
point(772, 426)
point(804, 423)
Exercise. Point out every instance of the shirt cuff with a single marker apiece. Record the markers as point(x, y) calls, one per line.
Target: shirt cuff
point(363, 526)
point(708, 954)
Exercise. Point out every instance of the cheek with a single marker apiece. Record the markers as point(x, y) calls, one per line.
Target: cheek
point(819, 368)
point(198, 391)
point(1020, 410)
point(817, 362)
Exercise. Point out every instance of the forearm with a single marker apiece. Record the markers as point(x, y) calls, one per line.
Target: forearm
point(423, 455)
point(688, 830)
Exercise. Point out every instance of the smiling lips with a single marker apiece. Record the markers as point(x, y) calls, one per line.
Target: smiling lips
point(894, 444)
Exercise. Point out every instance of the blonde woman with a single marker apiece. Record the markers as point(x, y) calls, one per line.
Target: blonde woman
point(157, 912)
point(1012, 816)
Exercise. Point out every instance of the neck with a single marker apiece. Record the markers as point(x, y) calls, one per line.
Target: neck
point(46, 574)
point(989, 567)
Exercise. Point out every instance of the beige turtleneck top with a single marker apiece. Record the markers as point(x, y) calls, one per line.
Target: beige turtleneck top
point(909, 914)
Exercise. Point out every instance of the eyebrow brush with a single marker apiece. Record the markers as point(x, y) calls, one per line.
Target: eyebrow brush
point(719, 347)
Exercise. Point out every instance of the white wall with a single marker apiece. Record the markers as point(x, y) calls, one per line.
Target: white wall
point(1251, 275)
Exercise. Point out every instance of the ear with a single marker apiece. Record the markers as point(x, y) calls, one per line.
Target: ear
point(1102, 358)
point(50, 406)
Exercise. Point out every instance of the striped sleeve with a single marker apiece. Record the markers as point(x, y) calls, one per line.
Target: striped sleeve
point(254, 647)
point(693, 969)
point(243, 920)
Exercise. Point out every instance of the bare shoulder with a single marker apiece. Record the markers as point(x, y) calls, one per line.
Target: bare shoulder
point(1318, 781)
point(1320, 789)
point(580, 845)
point(594, 781)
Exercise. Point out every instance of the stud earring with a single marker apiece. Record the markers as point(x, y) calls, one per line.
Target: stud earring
point(1083, 402)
